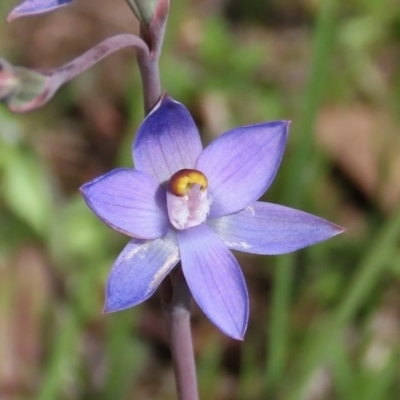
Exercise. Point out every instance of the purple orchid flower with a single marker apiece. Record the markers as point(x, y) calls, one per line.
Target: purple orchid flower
point(185, 203)
point(33, 7)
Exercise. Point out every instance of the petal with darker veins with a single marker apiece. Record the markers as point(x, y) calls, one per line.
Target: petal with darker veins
point(167, 141)
point(241, 164)
point(129, 201)
point(266, 228)
point(139, 270)
point(215, 279)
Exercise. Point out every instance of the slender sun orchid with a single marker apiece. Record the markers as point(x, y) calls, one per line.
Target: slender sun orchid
point(185, 203)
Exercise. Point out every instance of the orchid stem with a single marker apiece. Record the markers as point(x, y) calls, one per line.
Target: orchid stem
point(150, 75)
point(149, 69)
point(176, 299)
point(100, 51)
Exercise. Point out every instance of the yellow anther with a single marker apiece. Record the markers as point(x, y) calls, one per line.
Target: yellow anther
point(185, 179)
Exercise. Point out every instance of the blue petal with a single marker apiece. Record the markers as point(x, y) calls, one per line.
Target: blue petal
point(129, 201)
point(241, 164)
point(32, 7)
point(139, 270)
point(167, 141)
point(215, 279)
point(265, 228)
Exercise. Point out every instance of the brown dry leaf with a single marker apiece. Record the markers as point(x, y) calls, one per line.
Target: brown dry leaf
point(24, 293)
point(214, 111)
point(53, 39)
point(365, 143)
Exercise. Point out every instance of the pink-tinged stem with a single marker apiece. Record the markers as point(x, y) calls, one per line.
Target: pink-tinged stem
point(103, 49)
point(153, 35)
point(56, 77)
point(176, 299)
point(150, 75)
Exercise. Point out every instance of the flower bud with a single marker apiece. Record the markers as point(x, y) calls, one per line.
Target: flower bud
point(21, 88)
point(144, 11)
point(8, 80)
point(152, 15)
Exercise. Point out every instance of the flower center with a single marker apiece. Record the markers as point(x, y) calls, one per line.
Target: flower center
point(183, 180)
point(188, 202)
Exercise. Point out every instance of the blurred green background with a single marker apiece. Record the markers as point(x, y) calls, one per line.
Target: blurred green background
point(325, 321)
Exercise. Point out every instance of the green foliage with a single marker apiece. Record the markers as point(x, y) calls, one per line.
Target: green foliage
point(325, 319)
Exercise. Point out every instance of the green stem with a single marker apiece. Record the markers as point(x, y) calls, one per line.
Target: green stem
point(320, 346)
point(299, 172)
point(278, 321)
point(295, 191)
